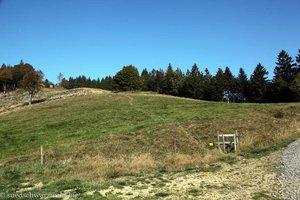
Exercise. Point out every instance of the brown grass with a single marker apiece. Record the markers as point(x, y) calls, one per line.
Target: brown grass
point(100, 167)
point(141, 162)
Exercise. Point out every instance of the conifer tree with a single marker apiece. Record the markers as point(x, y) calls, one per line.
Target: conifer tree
point(285, 67)
point(229, 85)
point(145, 78)
point(258, 84)
point(298, 61)
point(193, 83)
point(243, 83)
point(170, 82)
point(219, 85)
point(208, 86)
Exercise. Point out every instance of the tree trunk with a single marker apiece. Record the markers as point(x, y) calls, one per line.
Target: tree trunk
point(30, 98)
point(4, 88)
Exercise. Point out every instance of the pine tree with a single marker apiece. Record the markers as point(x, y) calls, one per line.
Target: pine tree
point(285, 67)
point(298, 61)
point(208, 86)
point(193, 83)
point(283, 88)
point(170, 82)
point(160, 80)
point(229, 85)
point(144, 78)
point(243, 83)
point(179, 81)
point(296, 87)
point(106, 83)
point(258, 84)
point(219, 85)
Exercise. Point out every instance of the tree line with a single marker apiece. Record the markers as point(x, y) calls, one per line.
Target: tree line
point(223, 86)
point(83, 81)
point(22, 75)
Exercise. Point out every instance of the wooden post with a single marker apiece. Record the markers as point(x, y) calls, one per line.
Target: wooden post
point(218, 140)
point(234, 141)
point(237, 139)
point(42, 155)
point(224, 146)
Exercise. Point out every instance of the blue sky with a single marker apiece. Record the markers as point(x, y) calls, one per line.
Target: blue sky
point(98, 37)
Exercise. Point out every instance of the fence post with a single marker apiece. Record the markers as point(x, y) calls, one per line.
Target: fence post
point(234, 141)
point(218, 140)
point(224, 146)
point(42, 155)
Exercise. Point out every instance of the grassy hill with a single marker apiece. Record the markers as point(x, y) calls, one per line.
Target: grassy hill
point(102, 135)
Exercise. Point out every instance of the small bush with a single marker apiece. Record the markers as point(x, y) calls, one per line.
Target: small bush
point(278, 114)
point(194, 192)
point(162, 194)
point(229, 159)
point(12, 174)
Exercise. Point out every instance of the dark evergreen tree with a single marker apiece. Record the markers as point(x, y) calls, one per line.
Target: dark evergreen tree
point(285, 67)
point(208, 86)
point(296, 87)
point(160, 80)
point(243, 84)
point(106, 83)
point(219, 87)
point(65, 83)
point(179, 81)
point(193, 83)
point(282, 89)
point(258, 84)
point(298, 61)
point(170, 85)
point(230, 85)
point(145, 78)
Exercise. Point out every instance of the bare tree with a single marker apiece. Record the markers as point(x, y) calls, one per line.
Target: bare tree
point(60, 77)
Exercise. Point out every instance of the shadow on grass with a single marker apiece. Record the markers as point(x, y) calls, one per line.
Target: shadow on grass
point(261, 152)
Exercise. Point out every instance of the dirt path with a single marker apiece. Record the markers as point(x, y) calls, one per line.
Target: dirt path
point(291, 171)
point(245, 179)
point(130, 99)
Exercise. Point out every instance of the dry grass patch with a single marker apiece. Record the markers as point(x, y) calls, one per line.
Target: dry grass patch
point(141, 162)
point(100, 167)
point(179, 160)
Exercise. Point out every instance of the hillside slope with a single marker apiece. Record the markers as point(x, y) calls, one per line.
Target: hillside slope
point(102, 135)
